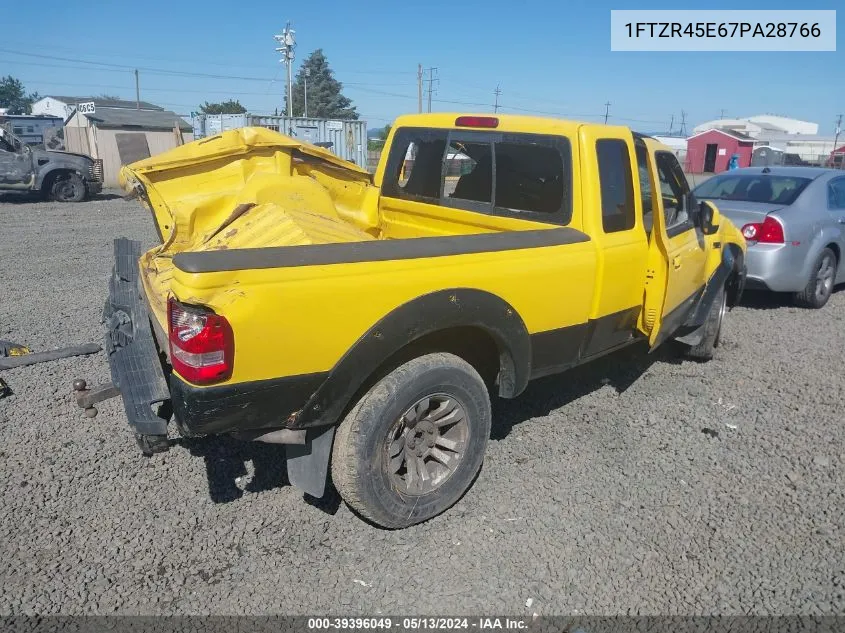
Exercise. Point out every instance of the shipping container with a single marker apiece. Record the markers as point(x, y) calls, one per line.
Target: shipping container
point(347, 139)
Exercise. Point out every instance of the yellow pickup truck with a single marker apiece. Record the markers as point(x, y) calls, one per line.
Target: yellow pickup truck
point(363, 321)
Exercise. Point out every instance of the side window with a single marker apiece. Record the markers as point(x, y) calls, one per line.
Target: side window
point(673, 189)
point(645, 187)
point(468, 172)
point(413, 167)
point(836, 194)
point(617, 189)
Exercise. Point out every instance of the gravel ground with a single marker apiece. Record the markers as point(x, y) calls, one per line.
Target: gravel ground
point(600, 494)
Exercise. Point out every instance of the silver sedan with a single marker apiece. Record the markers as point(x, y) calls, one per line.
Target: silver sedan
point(793, 219)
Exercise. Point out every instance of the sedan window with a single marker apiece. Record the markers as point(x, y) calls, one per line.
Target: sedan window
point(753, 188)
point(836, 194)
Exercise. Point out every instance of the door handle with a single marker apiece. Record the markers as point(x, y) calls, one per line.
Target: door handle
point(676, 262)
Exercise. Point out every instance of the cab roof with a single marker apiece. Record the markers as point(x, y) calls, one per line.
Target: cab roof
point(511, 123)
point(506, 122)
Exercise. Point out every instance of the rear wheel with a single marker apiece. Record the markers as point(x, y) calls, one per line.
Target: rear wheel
point(411, 447)
point(68, 188)
point(820, 284)
point(712, 328)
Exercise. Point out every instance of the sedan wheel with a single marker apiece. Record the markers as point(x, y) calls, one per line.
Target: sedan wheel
point(820, 285)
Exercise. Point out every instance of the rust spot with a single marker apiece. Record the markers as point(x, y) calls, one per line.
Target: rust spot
point(231, 233)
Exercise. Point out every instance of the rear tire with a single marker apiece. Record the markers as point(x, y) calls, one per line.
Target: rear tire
point(706, 348)
point(412, 446)
point(820, 284)
point(68, 188)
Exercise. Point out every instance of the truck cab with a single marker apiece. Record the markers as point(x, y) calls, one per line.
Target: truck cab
point(60, 176)
point(364, 321)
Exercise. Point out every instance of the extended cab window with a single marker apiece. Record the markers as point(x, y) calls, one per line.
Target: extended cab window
point(674, 190)
point(617, 188)
point(414, 164)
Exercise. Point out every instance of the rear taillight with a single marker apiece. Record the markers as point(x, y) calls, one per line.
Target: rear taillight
point(770, 231)
point(202, 346)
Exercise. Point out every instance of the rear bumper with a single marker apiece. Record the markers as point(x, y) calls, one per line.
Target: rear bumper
point(133, 357)
point(265, 404)
point(778, 267)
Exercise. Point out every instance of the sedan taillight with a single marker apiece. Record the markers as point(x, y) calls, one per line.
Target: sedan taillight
point(769, 231)
point(202, 346)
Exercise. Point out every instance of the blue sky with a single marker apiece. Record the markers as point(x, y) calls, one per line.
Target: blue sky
point(549, 57)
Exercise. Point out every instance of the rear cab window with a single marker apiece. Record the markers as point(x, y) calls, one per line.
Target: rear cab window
point(526, 176)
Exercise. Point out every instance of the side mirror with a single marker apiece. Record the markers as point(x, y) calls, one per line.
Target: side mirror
point(709, 218)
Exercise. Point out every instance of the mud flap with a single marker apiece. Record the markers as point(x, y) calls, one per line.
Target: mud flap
point(308, 464)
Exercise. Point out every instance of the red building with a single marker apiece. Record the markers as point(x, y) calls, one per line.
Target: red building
point(710, 151)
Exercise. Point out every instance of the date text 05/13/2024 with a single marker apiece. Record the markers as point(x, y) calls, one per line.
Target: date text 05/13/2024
point(418, 623)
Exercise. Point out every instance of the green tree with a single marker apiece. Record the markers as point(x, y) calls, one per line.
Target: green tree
point(232, 106)
point(325, 97)
point(377, 142)
point(14, 98)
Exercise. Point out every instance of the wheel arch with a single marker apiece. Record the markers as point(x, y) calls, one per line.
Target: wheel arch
point(49, 177)
point(476, 325)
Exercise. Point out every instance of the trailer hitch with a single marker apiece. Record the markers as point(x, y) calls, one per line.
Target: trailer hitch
point(86, 398)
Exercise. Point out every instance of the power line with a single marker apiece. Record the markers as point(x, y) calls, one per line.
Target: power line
point(133, 56)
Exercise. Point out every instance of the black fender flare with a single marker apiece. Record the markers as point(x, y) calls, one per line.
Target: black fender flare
point(732, 264)
point(427, 314)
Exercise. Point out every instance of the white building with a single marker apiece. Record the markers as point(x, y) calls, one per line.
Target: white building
point(678, 144)
point(63, 106)
point(760, 124)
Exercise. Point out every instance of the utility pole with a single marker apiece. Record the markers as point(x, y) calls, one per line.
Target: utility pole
point(496, 92)
point(671, 124)
point(419, 87)
point(431, 79)
point(836, 143)
point(721, 114)
point(606, 111)
point(305, 77)
point(683, 123)
point(137, 92)
point(287, 43)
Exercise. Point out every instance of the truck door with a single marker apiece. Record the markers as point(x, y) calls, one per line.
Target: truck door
point(608, 159)
point(675, 274)
point(15, 164)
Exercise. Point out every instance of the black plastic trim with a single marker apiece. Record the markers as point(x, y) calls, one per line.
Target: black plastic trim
point(554, 351)
point(374, 250)
point(262, 404)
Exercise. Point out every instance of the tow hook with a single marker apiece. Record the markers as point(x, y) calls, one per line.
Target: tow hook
point(86, 398)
